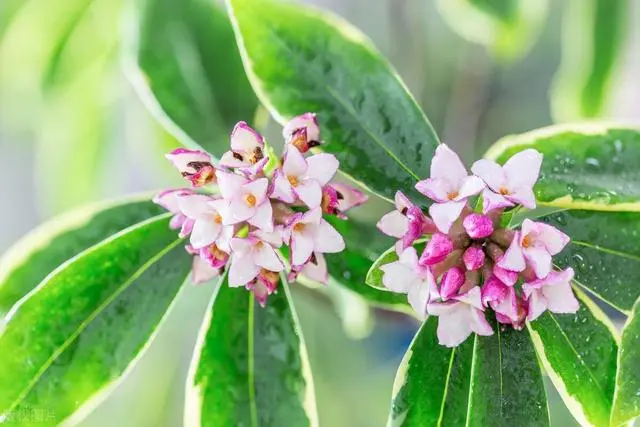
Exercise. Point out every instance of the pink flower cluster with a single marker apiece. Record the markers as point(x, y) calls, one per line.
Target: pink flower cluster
point(260, 204)
point(470, 264)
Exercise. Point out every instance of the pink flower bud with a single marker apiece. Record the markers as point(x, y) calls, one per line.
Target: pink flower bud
point(478, 226)
point(507, 277)
point(473, 258)
point(493, 290)
point(452, 280)
point(436, 250)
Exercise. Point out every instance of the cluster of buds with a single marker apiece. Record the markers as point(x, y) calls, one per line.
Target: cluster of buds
point(242, 210)
point(470, 264)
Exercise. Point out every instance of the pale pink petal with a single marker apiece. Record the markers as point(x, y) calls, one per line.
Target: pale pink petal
point(418, 297)
point(523, 168)
point(348, 196)
point(301, 248)
point(224, 240)
point(258, 188)
point(537, 304)
point(492, 201)
point(451, 282)
point(310, 192)
point(327, 239)
point(242, 270)
point(204, 233)
point(447, 165)
point(244, 138)
point(513, 259)
point(230, 184)
point(238, 211)
point(437, 189)
point(554, 240)
point(307, 121)
point(182, 159)
point(282, 189)
point(393, 224)
point(243, 246)
point(473, 297)
point(523, 196)
point(228, 160)
point(493, 290)
point(471, 186)
point(265, 256)
point(402, 201)
point(507, 277)
point(479, 323)
point(539, 259)
point(445, 214)
point(312, 216)
point(168, 199)
point(263, 217)
point(195, 206)
point(507, 305)
point(560, 298)
point(187, 227)
point(177, 221)
point(455, 327)
point(316, 269)
point(274, 237)
point(491, 173)
point(202, 272)
point(322, 167)
point(398, 277)
point(294, 163)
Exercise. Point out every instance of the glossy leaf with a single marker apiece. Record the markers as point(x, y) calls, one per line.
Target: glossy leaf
point(589, 166)
point(594, 36)
point(301, 59)
point(507, 27)
point(626, 403)
point(50, 318)
point(579, 354)
point(506, 381)
point(184, 63)
point(250, 365)
point(432, 384)
point(604, 252)
point(84, 374)
point(31, 259)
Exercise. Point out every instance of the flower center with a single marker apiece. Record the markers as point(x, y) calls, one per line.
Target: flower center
point(526, 241)
point(217, 253)
point(293, 180)
point(259, 245)
point(504, 191)
point(256, 156)
point(452, 195)
point(250, 200)
point(299, 227)
point(217, 219)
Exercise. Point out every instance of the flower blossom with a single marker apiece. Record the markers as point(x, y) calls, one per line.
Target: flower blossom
point(471, 265)
point(246, 208)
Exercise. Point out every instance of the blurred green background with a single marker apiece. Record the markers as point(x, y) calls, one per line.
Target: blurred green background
point(72, 130)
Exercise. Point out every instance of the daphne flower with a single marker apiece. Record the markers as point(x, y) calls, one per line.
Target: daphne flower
point(452, 281)
point(552, 293)
point(478, 226)
point(169, 200)
point(436, 250)
point(214, 256)
point(449, 186)
point(247, 150)
point(502, 299)
point(195, 166)
point(407, 276)
point(511, 183)
point(247, 200)
point(460, 317)
point(302, 132)
point(303, 178)
point(250, 256)
point(205, 212)
point(202, 271)
point(537, 243)
point(473, 258)
point(337, 198)
point(314, 269)
point(406, 223)
point(264, 285)
point(308, 233)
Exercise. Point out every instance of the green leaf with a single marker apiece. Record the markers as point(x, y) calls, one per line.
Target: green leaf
point(626, 402)
point(491, 380)
point(579, 354)
point(589, 166)
point(594, 36)
point(184, 63)
point(432, 384)
point(49, 319)
point(301, 60)
point(250, 365)
point(506, 381)
point(375, 274)
point(507, 27)
point(31, 259)
point(91, 367)
point(604, 252)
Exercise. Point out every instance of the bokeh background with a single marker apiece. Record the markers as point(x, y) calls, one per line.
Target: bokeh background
point(72, 131)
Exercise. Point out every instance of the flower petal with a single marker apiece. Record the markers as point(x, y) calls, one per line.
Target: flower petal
point(479, 323)
point(316, 269)
point(437, 189)
point(513, 259)
point(182, 159)
point(348, 196)
point(418, 297)
point(554, 240)
point(168, 199)
point(238, 211)
point(523, 168)
point(204, 233)
point(451, 282)
point(322, 167)
point(202, 272)
point(195, 206)
point(258, 188)
point(282, 189)
point(436, 250)
point(393, 224)
point(492, 201)
point(263, 217)
point(244, 138)
point(228, 160)
point(523, 196)
point(242, 270)
point(301, 248)
point(471, 186)
point(447, 165)
point(537, 304)
point(265, 256)
point(398, 277)
point(307, 121)
point(539, 259)
point(491, 173)
point(454, 327)
point(327, 239)
point(230, 184)
point(445, 214)
point(310, 192)
point(402, 201)
point(294, 163)
point(473, 297)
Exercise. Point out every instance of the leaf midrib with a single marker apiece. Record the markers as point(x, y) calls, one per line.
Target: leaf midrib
point(136, 275)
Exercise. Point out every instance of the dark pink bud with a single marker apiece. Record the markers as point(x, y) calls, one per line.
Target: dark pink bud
point(478, 226)
point(438, 248)
point(493, 290)
point(507, 277)
point(452, 280)
point(473, 258)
